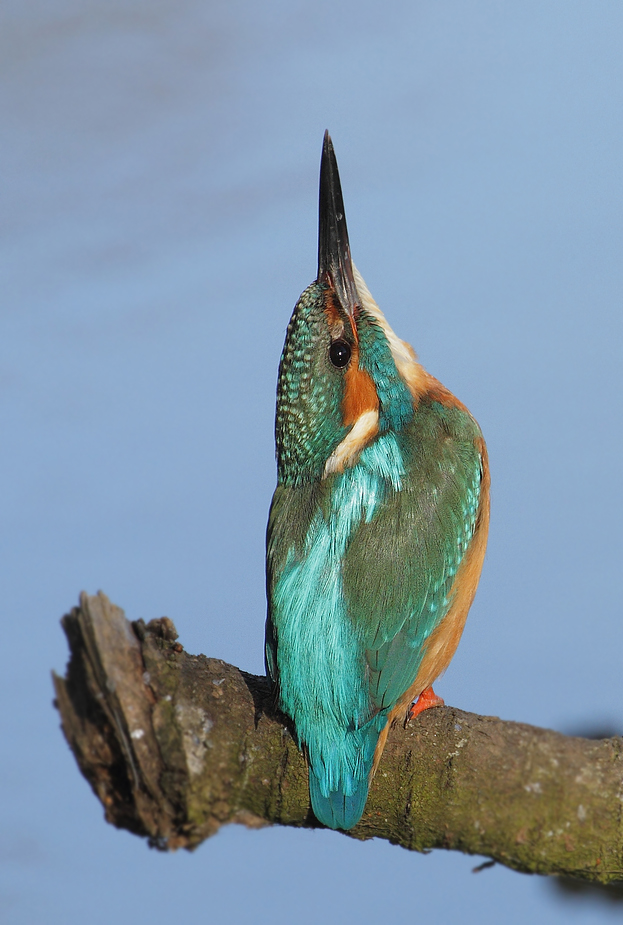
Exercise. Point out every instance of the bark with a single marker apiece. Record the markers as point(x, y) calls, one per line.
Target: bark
point(177, 745)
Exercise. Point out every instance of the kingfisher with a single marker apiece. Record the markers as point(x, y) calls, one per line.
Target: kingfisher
point(377, 528)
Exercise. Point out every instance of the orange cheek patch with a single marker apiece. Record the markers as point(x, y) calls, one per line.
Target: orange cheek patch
point(359, 392)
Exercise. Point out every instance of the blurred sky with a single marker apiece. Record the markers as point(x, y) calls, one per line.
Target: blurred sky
point(159, 167)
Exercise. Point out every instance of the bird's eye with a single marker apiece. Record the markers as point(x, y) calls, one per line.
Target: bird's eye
point(339, 353)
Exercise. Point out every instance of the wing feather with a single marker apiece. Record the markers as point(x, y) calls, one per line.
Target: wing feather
point(400, 566)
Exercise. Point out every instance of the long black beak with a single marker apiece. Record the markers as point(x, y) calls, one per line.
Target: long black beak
point(335, 266)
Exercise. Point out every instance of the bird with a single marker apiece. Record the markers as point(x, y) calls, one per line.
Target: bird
point(377, 528)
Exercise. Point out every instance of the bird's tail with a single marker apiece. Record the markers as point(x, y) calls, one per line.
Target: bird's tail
point(338, 811)
point(339, 782)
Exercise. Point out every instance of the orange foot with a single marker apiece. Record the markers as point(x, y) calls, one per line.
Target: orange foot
point(427, 699)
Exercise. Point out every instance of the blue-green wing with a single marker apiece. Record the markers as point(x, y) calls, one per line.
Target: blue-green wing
point(400, 564)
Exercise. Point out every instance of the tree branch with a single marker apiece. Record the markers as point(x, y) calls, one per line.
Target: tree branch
point(176, 745)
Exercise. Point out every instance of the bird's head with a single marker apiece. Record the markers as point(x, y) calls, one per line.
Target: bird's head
point(343, 376)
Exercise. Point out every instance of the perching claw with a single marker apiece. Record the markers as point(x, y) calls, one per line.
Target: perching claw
point(427, 699)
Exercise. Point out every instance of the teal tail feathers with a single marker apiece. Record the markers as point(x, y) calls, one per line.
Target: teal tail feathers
point(339, 775)
point(338, 811)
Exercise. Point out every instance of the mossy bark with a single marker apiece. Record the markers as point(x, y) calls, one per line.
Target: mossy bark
point(176, 745)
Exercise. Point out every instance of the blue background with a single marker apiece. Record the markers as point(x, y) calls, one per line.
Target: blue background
point(158, 216)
